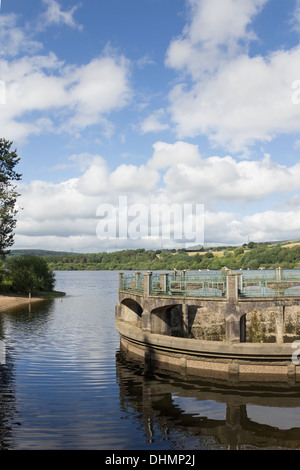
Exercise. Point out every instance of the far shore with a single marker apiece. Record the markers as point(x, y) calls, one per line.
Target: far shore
point(10, 301)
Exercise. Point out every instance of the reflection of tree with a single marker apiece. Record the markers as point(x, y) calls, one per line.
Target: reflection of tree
point(23, 320)
point(7, 398)
point(150, 397)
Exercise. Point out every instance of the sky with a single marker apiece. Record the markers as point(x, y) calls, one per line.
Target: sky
point(193, 103)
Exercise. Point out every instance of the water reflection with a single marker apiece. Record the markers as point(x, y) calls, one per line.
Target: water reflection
point(63, 387)
point(208, 415)
point(32, 319)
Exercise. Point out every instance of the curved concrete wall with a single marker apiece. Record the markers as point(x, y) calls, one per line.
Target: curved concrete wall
point(216, 359)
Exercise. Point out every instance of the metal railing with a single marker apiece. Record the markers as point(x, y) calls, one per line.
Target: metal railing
point(189, 284)
point(251, 284)
point(175, 283)
point(271, 284)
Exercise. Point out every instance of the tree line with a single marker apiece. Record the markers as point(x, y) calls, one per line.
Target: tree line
point(248, 256)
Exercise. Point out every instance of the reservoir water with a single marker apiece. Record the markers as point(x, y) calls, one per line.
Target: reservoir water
point(67, 386)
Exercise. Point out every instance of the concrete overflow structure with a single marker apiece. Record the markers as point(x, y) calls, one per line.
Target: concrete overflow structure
point(241, 326)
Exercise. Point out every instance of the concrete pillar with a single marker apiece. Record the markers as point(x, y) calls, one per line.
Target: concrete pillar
point(185, 320)
point(137, 276)
point(279, 323)
point(118, 310)
point(183, 278)
point(164, 282)
point(232, 286)
point(278, 274)
point(232, 316)
point(147, 283)
point(146, 323)
point(121, 280)
point(233, 328)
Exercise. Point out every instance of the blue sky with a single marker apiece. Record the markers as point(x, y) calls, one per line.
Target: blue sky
point(161, 101)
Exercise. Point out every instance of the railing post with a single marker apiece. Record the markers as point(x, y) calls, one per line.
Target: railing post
point(137, 280)
point(232, 286)
point(164, 282)
point(147, 283)
point(183, 279)
point(232, 317)
point(121, 281)
point(278, 274)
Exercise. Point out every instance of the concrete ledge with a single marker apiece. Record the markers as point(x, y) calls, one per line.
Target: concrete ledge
point(235, 361)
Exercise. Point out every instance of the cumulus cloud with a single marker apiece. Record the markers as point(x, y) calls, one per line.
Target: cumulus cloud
point(234, 99)
point(44, 93)
point(78, 96)
point(69, 209)
point(216, 31)
point(225, 179)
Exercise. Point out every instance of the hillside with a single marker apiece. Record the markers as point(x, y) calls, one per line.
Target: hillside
point(249, 256)
point(33, 252)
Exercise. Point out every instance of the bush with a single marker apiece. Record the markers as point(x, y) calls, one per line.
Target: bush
point(30, 274)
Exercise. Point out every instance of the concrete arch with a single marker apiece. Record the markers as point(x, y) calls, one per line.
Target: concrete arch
point(131, 310)
point(166, 320)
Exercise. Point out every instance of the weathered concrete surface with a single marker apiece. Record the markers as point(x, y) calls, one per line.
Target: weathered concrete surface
point(252, 320)
point(234, 361)
point(245, 338)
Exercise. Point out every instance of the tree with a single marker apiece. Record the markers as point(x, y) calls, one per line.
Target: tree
point(8, 195)
point(30, 274)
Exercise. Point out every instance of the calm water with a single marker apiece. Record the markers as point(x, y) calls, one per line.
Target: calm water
point(66, 385)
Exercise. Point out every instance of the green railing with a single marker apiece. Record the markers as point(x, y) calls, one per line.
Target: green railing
point(270, 287)
point(250, 284)
point(183, 283)
point(131, 283)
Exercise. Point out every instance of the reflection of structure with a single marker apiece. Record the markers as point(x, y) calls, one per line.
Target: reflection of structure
point(221, 324)
point(154, 401)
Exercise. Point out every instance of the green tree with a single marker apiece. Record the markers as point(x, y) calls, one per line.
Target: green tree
point(30, 274)
point(8, 195)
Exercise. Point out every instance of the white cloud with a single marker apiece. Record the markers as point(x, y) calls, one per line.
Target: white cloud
point(225, 179)
point(249, 100)
point(154, 122)
point(166, 155)
point(55, 15)
point(78, 96)
point(217, 30)
point(13, 39)
point(234, 99)
point(67, 211)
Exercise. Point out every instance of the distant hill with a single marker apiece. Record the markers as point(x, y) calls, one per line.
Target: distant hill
point(29, 252)
point(250, 255)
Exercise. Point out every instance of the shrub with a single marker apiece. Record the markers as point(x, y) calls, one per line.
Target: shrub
point(30, 274)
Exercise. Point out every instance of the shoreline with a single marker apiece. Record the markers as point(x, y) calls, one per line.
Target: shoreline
point(10, 301)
